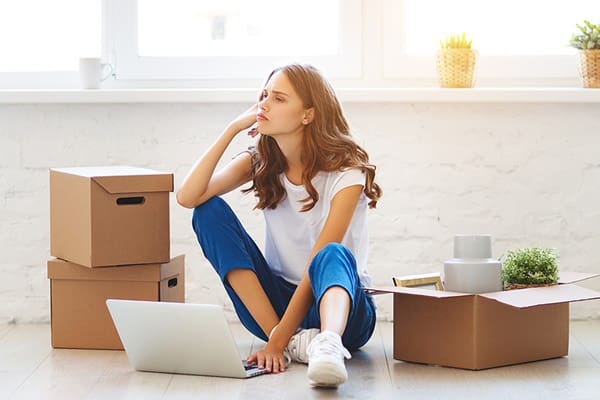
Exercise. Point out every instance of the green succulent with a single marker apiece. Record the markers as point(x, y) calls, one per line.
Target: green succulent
point(588, 38)
point(458, 41)
point(530, 265)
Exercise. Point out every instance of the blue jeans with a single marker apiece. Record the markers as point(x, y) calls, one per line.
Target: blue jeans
point(227, 246)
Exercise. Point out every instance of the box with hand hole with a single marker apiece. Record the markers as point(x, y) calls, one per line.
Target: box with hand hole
point(78, 314)
point(106, 216)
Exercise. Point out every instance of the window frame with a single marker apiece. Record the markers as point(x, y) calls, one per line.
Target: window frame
point(121, 37)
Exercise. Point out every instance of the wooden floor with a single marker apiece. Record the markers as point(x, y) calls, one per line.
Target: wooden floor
point(31, 369)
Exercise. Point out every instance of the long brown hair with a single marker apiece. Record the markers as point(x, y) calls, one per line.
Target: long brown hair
point(326, 145)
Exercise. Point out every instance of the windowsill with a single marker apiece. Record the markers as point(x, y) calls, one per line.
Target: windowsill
point(349, 95)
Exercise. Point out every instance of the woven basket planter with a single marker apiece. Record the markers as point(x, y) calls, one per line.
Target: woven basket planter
point(512, 286)
point(590, 68)
point(456, 67)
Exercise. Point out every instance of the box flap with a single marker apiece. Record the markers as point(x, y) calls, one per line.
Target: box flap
point(570, 277)
point(523, 298)
point(109, 170)
point(136, 183)
point(415, 291)
point(124, 179)
point(60, 269)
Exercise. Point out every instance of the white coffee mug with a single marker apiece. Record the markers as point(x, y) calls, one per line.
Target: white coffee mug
point(92, 72)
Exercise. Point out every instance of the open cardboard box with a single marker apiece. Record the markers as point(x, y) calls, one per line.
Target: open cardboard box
point(114, 215)
point(478, 331)
point(79, 316)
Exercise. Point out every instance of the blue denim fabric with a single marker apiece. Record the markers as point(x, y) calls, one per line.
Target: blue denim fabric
point(227, 246)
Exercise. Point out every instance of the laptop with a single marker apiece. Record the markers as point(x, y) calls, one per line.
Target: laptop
point(179, 338)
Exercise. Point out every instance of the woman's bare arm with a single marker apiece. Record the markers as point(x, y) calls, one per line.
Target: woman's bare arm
point(202, 182)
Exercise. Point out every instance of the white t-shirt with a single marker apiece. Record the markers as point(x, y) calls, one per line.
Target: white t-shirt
point(291, 234)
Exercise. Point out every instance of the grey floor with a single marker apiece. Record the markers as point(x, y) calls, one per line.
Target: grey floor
point(31, 369)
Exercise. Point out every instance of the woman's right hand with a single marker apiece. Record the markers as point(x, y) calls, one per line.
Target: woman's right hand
point(271, 358)
point(245, 120)
point(202, 182)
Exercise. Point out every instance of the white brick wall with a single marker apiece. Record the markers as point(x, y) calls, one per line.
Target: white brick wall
point(529, 174)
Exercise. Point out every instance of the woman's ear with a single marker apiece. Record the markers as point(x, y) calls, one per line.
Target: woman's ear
point(309, 115)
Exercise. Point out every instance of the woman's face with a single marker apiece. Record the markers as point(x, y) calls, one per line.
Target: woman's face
point(280, 109)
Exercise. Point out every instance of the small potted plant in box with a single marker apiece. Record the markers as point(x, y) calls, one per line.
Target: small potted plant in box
point(530, 267)
point(455, 62)
point(587, 40)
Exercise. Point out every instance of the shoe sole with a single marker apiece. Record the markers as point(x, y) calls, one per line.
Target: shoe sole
point(328, 375)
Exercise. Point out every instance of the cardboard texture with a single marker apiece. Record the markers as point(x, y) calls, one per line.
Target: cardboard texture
point(479, 331)
point(105, 216)
point(79, 317)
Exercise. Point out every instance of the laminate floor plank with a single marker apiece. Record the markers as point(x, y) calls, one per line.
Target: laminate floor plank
point(573, 377)
point(31, 369)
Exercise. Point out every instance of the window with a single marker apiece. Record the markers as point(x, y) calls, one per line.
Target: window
point(48, 35)
point(41, 41)
point(191, 28)
point(233, 39)
point(515, 39)
point(502, 28)
point(234, 43)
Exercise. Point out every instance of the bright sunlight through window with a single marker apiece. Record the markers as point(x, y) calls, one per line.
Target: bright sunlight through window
point(191, 28)
point(499, 28)
point(38, 35)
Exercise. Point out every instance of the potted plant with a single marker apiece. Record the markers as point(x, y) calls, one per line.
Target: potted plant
point(530, 267)
point(455, 62)
point(587, 40)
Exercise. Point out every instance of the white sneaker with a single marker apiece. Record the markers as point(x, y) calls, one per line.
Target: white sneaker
point(297, 348)
point(326, 360)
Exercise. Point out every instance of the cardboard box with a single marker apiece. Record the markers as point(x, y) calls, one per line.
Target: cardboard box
point(79, 316)
point(104, 216)
point(478, 331)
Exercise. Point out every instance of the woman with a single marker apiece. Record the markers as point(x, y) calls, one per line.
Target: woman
point(314, 184)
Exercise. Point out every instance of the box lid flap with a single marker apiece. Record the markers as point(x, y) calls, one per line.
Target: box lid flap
point(60, 269)
point(570, 277)
point(415, 291)
point(524, 298)
point(124, 178)
point(136, 184)
point(109, 170)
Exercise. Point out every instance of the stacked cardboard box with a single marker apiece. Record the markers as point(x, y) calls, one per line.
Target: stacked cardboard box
point(109, 229)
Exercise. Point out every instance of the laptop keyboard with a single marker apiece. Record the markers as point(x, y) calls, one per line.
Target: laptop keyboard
point(253, 370)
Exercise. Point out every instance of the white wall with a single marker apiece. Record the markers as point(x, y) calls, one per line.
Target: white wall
point(528, 174)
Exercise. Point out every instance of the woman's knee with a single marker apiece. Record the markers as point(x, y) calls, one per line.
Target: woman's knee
point(208, 212)
point(334, 250)
point(332, 255)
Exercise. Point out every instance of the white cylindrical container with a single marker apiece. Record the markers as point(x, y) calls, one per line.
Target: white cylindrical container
point(473, 270)
point(467, 247)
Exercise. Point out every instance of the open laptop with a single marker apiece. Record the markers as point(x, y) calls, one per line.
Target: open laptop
point(179, 338)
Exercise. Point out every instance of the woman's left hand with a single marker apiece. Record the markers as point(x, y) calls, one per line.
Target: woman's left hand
point(270, 358)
